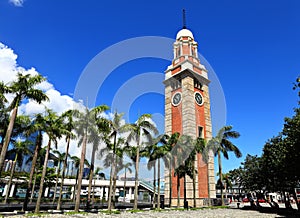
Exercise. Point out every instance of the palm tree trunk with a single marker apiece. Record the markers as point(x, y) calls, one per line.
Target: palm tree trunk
point(112, 171)
point(154, 184)
point(124, 189)
point(220, 175)
point(184, 191)
point(83, 150)
point(91, 175)
point(75, 186)
point(158, 186)
point(56, 183)
point(225, 189)
point(110, 185)
point(194, 184)
point(93, 196)
point(7, 137)
point(63, 175)
point(41, 191)
point(170, 183)
point(178, 192)
point(114, 186)
point(32, 189)
point(32, 170)
point(10, 178)
point(136, 175)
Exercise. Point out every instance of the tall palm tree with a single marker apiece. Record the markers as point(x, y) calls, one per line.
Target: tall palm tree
point(97, 133)
point(36, 127)
point(20, 149)
point(199, 146)
point(54, 130)
point(112, 129)
point(142, 127)
point(84, 125)
point(155, 151)
point(183, 152)
point(67, 120)
point(22, 88)
point(221, 144)
point(169, 160)
point(226, 182)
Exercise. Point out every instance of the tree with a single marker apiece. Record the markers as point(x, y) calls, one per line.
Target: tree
point(96, 135)
point(169, 159)
point(54, 130)
point(113, 154)
point(220, 144)
point(84, 125)
point(22, 88)
point(67, 120)
point(142, 127)
point(155, 151)
point(36, 127)
point(20, 149)
point(115, 126)
point(184, 166)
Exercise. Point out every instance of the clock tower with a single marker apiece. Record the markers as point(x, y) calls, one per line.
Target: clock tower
point(187, 111)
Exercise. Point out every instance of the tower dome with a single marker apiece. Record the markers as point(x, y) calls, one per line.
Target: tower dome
point(184, 33)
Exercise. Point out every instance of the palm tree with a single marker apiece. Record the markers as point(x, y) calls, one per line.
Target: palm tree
point(151, 154)
point(85, 124)
point(37, 126)
point(184, 158)
point(76, 161)
point(54, 130)
point(95, 139)
point(22, 88)
point(169, 159)
point(155, 152)
point(60, 158)
point(67, 119)
point(126, 167)
point(199, 146)
point(113, 154)
point(142, 127)
point(226, 182)
point(112, 128)
point(96, 134)
point(20, 149)
point(221, 144)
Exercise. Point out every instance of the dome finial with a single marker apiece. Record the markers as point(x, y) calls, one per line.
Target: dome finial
point(183, 19)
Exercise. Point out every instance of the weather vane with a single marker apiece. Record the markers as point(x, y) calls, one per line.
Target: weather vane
point(183, 19)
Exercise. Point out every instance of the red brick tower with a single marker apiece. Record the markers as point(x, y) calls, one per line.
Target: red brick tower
point(187, 111)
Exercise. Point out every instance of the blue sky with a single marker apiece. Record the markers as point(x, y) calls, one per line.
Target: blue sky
point(253, 47)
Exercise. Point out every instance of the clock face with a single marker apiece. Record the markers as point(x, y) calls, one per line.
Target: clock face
point(198, 98)
point(176, 99)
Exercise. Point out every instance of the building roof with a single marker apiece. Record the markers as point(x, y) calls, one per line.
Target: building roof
point(184, 33)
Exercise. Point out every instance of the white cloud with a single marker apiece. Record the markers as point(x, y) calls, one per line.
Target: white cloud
point(17, 3)
point(58, 102)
